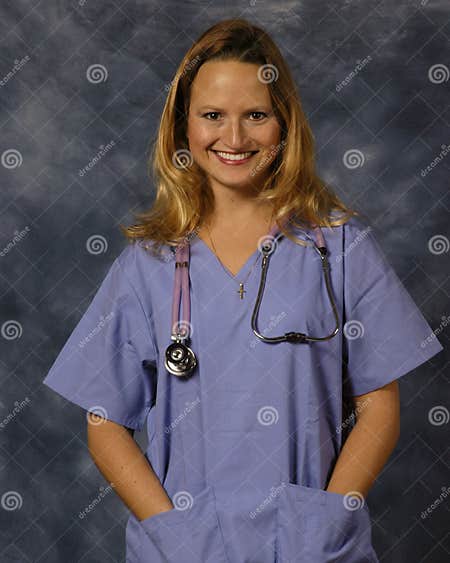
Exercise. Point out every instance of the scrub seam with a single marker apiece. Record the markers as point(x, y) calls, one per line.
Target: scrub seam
point(150, 328)
point(277, 532)
point(220, 527)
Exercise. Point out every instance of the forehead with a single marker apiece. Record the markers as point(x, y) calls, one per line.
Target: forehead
point(228, 81)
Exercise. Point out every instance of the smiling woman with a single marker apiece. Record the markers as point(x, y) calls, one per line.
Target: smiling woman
point(229, 141)
point(233, 94)
point(247, 457)
point(239, 131)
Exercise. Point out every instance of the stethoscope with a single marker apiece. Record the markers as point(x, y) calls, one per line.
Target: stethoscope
point(180, 360)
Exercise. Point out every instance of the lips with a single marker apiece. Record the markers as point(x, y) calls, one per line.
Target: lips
point(228, 152)
point(234, 161)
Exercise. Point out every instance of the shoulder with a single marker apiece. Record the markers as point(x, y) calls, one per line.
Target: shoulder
point(143, 250)
point(338, 237)
point(362, 251)
point(353, 240)
point(360, 239)
point(141, 267)
point(357, 226)
point(352, 232)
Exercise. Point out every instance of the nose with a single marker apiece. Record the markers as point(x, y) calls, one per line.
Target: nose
point(235, 134)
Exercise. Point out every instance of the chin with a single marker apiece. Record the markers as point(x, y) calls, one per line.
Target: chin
point(239, 183)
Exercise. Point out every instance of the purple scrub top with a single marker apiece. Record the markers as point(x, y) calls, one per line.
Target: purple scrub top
point(246, 446)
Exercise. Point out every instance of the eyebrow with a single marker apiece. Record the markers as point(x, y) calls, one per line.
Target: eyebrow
point(254, 108)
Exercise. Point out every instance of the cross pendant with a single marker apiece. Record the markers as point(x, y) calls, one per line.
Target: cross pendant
point(241, 290)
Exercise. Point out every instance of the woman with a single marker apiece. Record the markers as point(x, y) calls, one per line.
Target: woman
point(252, 455)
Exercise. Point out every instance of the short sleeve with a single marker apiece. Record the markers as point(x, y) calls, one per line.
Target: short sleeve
point(385, 335)
point(100, 368)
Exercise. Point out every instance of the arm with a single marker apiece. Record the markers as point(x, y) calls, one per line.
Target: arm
point(123, 464)
point(370, 443)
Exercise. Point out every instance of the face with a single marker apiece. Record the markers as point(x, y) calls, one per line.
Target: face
point(232, 130)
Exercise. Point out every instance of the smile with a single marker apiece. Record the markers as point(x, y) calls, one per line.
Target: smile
point(237, 158)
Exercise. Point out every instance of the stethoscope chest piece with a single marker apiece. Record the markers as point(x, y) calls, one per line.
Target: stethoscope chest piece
point(180, 359)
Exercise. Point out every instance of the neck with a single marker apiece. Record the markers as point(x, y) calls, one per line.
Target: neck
point(237, 205)
point(235, 213)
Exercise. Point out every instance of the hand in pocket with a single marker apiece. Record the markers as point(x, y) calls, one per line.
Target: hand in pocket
point(322, 527)
point(184, 536)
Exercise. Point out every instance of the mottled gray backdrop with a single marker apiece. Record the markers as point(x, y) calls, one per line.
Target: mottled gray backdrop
point(374, 80)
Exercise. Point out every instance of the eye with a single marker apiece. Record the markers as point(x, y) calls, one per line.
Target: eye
point(258, 113)
point(209, 113)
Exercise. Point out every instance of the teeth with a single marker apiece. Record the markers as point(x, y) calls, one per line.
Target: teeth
point(239, 156)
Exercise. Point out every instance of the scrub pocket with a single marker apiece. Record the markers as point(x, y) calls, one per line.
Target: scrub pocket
point(183, 536)
point(314, 525)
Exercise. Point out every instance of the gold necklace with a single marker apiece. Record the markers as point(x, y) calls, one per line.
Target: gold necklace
point(241, 289)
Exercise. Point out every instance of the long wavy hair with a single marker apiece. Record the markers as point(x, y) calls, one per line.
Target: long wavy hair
point(299, 198)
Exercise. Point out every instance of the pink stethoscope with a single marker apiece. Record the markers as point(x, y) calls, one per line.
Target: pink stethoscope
point(180, 360)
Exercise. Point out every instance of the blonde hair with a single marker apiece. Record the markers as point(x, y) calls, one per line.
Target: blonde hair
point(183, 196)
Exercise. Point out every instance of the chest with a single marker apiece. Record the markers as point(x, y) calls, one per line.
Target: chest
point(294, 298)
point(233, 252)
point(237, 370)
point(294, 293)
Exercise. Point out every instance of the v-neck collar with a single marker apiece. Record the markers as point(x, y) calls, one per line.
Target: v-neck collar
point(222, 265)
point(252, 259)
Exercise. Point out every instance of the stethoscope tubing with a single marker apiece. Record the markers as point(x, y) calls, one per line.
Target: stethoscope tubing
point(180, 359)
point(296, 337)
